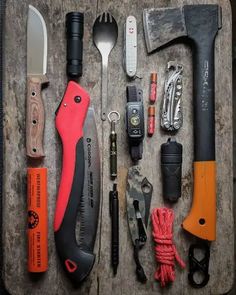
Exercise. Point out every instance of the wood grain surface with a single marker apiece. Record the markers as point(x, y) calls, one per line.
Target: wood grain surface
point(101, 280)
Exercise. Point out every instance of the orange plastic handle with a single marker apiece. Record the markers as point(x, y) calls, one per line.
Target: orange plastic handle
point(201, 220)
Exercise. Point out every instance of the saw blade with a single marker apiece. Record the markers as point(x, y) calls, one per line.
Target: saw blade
point(90, 200)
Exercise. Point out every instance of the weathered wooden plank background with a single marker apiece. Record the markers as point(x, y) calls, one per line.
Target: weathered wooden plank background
point(101, 280)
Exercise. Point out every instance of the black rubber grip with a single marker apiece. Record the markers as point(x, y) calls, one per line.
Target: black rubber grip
point(76, 261)
point(171, 168)
point(202, 24)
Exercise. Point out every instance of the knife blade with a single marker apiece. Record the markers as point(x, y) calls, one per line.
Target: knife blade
point(36, 78)
point(90, 200)
point(77, 259)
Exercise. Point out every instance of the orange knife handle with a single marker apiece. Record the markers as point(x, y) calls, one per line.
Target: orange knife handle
point(201, 220)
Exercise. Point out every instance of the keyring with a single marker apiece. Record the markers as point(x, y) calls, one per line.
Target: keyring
point(115, 113)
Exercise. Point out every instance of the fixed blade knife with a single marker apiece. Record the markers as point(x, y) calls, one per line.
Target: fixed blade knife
point(78, 192)
point(36, 78)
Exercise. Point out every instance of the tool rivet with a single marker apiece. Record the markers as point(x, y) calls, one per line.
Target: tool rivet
point(77, 99)
point(202, 221)
point(65, 105)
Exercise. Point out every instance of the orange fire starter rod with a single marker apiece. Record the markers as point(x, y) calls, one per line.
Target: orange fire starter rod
point(37, 219)
point(153, 88)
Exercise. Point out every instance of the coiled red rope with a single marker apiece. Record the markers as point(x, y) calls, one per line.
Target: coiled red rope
point(165, 251)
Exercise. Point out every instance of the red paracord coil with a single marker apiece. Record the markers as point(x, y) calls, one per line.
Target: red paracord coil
point(165, 251)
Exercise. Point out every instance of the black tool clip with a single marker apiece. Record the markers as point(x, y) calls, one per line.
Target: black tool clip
point(200, 266)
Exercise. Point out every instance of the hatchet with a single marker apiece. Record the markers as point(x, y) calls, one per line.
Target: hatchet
point(197, 25)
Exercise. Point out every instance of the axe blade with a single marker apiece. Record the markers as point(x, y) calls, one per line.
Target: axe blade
point(163, 25)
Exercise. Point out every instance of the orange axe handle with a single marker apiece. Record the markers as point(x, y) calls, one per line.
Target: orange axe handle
point(201, 220)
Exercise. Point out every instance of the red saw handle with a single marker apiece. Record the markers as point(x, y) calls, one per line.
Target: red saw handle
point(70, 117)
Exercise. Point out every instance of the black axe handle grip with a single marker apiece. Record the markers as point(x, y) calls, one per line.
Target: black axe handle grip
point(202, 24)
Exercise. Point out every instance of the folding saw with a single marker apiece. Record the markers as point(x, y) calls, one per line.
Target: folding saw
point(79, 190)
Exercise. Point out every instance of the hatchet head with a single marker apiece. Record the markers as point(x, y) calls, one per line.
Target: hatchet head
point(163, 25)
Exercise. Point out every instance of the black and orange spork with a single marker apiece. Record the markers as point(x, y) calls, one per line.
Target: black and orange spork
point(79, 191)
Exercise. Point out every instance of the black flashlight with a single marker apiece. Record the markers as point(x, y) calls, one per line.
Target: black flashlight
point(74, 36)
